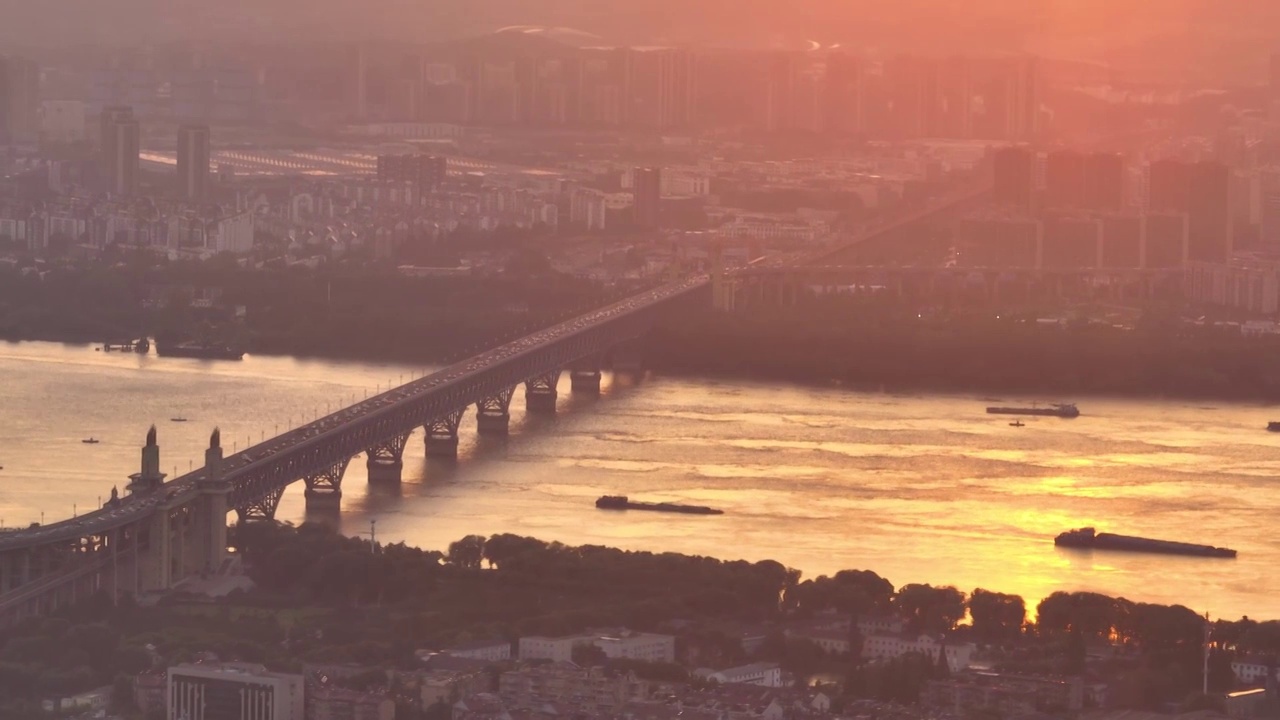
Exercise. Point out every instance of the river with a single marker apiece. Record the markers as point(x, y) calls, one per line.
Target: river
point(919, 488)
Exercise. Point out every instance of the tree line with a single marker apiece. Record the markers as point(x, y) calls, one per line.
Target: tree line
point(321, 597)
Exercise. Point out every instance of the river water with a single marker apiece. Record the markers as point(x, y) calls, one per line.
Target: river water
point(919, 488)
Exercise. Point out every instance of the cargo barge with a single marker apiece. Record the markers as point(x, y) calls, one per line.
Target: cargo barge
point(1062, 410)
point(200, 351)
point(1089, 539)
point(622, 502)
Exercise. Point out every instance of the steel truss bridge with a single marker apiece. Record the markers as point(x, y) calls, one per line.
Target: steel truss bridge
point(163, 532)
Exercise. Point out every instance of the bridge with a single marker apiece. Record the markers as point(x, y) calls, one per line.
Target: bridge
point(164, 530)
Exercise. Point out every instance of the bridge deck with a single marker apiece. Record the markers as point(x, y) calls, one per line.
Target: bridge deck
point(457, 386)
point(341, 435)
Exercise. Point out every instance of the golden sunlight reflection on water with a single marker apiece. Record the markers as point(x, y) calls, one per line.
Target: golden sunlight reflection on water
point(916, 488)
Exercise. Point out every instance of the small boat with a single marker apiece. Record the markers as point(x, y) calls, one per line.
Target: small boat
point(1017, 423)
point(90, 441)
point(1273, 426)
point(177, 419)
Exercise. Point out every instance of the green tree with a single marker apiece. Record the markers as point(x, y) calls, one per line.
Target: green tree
point(467, 553)
point(929, 609)
point(997, 617)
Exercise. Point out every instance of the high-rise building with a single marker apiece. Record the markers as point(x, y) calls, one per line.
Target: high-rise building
point(660, 83)
point(1201, 191)
point(1168, 186)
point(1104, 181)
point(19, 99)
point(233, 691)
point(1022, 104)
point(358, 88)
point(646, 188)
point(120, 143)
point(780, 90)
point(1270, 209)
point(193, 161)
point(1273, 79)
point(1210, 224)
point(1014, 176)
point(843, 94)
point(1093, 181)
point(1010, 92)
point(914, 101)
point(1064, 179)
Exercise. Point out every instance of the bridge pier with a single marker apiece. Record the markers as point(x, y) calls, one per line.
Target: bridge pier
point(540, 393)
point(585, 382)
point(628, 357)
point(386, 460)
point(324, 490)
point(493, 414)
point(442, 436)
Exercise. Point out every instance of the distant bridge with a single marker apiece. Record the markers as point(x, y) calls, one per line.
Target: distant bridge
point(165, 530)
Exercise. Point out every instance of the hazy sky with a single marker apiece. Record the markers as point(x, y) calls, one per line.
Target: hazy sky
point(1074, 27)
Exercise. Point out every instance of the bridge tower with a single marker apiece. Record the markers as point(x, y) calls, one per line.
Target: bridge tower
point(211, 512)
point(153, 561)
point(149, 478)
point(718, 282)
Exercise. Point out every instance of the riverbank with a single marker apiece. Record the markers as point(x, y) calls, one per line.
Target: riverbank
point(969, 355)
point(358, 314)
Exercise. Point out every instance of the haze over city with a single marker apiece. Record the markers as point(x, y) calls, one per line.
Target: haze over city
point(578, 359)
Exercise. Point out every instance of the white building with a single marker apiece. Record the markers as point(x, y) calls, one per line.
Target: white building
point(232, 691)
point(885, 647)
point(233, 234)
point(764, 674)
point(490, 650)
point(1250, 670)
point(556, 649)
point(62, 121)
point(767, 228)
point(647, 647)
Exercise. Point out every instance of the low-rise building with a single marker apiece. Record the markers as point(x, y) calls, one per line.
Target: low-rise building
point(491, 650)
point(1253, 670)
point(586, 690)
point(1005, 695)
point(627, 645)
point(328, 702)
point(1248, 283)
point(484, 706)
point(451, 685)
point(233, 691)
point(765, 674)
point(885, 647)
point(149, 692)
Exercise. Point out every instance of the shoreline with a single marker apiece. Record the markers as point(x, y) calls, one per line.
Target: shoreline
point(1049, 393)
